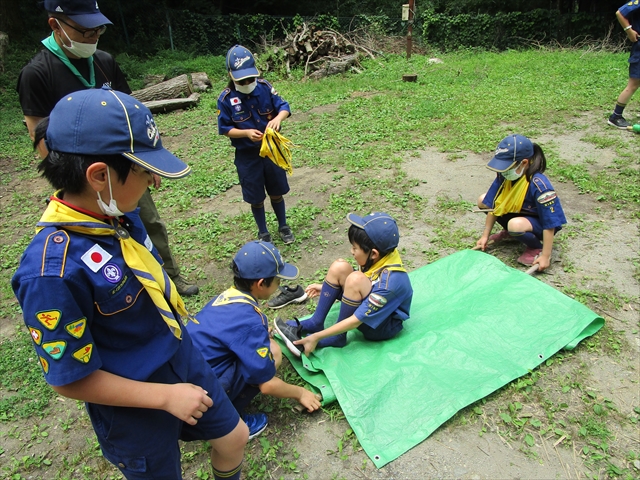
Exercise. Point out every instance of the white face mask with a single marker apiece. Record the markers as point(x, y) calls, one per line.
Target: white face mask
point(512, 174)
point(246, 89)
point(82, 50)
point(112, 209)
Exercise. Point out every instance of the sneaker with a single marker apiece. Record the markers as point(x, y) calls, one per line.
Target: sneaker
point(618, 122)
point(264, 237)
point(500, 236)
point(529, 256)
point(290, 334)
point(183, 287)
point(286, 234)
point(287, 296)
point(256, 422)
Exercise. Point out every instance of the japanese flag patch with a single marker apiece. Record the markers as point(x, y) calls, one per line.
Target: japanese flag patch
point(235, 101)
point(96, 257)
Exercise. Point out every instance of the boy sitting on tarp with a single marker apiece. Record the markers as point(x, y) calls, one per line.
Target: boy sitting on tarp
point(375, 299)
point(233, 334)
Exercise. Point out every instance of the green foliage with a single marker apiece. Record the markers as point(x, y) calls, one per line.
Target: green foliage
point(511, 29)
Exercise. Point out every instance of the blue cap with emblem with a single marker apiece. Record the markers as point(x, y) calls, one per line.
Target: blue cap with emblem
point(240, 63)
point(84, 12)
point(101, 121)
point(511, 150)
point(380, 227)
point(256, 260)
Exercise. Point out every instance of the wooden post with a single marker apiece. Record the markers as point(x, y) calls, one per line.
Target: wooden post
point(410, 29)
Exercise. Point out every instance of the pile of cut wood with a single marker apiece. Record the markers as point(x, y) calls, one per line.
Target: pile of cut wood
point(321, 52)
point(161, 95)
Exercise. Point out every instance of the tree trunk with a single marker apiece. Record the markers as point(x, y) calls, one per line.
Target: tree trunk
point(164, 106)
point(178, 87)
point(200, 81)
point(4, 44)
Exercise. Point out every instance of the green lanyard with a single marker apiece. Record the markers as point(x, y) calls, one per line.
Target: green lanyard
point(53, 47)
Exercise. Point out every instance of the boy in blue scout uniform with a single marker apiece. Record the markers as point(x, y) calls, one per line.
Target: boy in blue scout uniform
point(105, 319)
point(522, 200)
point(376, 299)
point(628, 17)
point(246, 108)
point(233, 334)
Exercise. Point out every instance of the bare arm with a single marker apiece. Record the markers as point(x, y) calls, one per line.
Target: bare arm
point(250, 133)
point(281, 389)
point(488, 226)
point(183, 400)
point(544, 259)
point(31, 126)
point(632, 35)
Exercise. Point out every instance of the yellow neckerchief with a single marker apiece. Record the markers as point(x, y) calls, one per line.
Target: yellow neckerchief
point(391, 261)
point(278, 148)
point(510, 197)
point(140, 260)
point(233, 295)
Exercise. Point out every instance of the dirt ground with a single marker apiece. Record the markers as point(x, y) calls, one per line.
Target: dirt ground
point(596, 252)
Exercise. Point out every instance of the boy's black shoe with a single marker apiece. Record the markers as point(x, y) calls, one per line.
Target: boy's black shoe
point(289, 334)
point(286, 235)
point(287, 296)
point(618, 122)
point(264, 237)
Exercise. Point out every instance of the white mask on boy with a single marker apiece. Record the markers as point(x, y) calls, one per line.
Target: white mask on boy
point(512, 173)
point(112, 209)
point(246, 89)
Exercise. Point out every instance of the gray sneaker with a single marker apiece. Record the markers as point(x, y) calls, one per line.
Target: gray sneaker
point(185, 288)
point(286, 235)
point(287, 296)
point(264, 237)
point(618, 122)
point(289, 334)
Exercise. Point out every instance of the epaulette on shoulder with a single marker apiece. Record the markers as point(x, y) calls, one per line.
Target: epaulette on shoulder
point(262, 80)
point(224, 93)
point(541, 182)
point(54, 254)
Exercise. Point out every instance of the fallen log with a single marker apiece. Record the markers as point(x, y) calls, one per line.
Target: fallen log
point(200, 81)
point(335, 67)
point(164, 106)
point(178, 87)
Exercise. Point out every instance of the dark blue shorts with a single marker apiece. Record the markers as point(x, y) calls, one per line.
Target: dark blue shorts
point(535, 223)
point(634, 70)
point(257, 174)
point(386, 330)
point(143, 443)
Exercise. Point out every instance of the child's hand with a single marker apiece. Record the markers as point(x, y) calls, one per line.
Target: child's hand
point(253, 134)
point(313, 290)
point(482, 243)
point(310, 400)
point(308, 343)
point(275, 124)
point(542, 261)
point(186, 401)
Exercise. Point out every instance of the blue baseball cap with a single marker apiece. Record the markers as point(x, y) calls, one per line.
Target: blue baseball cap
point(101, 121)
point(83, 12)
point(240, 63)
point(380, 227)
point(511, 150)
point(258, 259)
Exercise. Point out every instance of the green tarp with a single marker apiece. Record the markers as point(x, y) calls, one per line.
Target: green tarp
point(475, 325)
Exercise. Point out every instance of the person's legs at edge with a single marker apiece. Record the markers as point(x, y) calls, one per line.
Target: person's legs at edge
point(157, 231)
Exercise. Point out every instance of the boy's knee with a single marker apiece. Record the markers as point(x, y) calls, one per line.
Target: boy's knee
point(233, 441)
point(357, 286)
point(481, 200)
point(519, 225)
point(341, 266)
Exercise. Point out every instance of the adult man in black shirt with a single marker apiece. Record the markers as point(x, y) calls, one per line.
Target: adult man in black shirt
point(70, 62)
